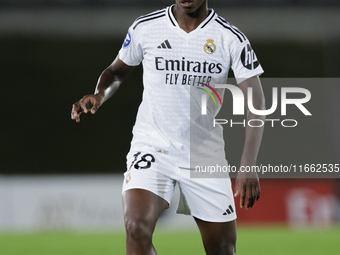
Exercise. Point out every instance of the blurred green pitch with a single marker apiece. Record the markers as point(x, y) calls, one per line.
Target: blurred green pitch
point(257, 240)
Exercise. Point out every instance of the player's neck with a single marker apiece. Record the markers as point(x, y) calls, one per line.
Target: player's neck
point(190, 21)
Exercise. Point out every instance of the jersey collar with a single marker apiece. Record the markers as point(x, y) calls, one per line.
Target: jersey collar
point(174, 23)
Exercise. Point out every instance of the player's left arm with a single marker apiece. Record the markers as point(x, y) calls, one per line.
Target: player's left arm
point(247, 182)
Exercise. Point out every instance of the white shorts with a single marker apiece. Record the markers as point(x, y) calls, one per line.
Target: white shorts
point(208, 199)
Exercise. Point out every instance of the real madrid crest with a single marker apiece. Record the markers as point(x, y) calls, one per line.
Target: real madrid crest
point(210, 47)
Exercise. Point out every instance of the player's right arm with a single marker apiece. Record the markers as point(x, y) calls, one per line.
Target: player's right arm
point(108, 83)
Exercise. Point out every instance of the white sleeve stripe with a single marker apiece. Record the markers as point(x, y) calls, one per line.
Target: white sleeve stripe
point(141, 21)
point(232, 27)
point(151, 14)
point(227, 27)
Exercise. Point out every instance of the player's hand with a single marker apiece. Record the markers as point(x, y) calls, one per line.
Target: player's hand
point(87, 103)
point(247, 186)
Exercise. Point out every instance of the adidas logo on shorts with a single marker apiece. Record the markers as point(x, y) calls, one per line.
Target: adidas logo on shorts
point(229, 210)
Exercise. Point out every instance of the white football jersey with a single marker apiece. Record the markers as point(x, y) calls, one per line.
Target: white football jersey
point(179, 68)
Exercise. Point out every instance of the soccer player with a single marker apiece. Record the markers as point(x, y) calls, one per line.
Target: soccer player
point(185, 49)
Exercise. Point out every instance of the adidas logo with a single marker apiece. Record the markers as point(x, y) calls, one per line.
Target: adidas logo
point(229, 210)
point(165, 45)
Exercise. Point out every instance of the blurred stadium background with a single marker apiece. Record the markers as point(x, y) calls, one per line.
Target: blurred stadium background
point(60, 181)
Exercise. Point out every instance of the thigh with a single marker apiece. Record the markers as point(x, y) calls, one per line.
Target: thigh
point(142, 208)
point(147, 189)
point(218, 237)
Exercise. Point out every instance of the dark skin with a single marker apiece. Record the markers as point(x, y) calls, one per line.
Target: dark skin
point(190, 14)
point(141, 207)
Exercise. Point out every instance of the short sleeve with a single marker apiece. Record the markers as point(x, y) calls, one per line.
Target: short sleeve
point(131, 52)
point(244, 61)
